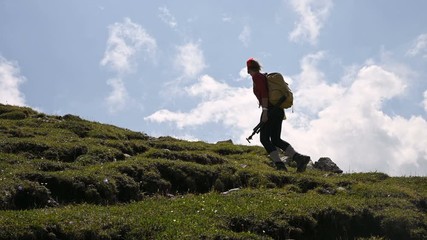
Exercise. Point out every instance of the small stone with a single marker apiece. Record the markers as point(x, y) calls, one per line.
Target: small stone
point(229, 141)
point(326, 164)
point(229, 191)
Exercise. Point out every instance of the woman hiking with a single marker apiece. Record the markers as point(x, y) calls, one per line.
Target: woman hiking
point(272, 118)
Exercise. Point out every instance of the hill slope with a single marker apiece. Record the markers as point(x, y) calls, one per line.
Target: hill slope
point(62, 177)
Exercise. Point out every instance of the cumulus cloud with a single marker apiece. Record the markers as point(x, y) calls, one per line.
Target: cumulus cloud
point(10, 79)
point(190, 60)
point(245, 36)
point(312, 15)
point(207, 88)
point(234, 107)
point(125, 41)
point(419, 47)
point(314, 93)
point(352, 129)
point(351, 126)
point(226, 18)
point(167, 17)
point(343, 120)
point(243, 75)
point(118, 97)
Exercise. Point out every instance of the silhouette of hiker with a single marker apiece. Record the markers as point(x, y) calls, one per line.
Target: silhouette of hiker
point(272, 118)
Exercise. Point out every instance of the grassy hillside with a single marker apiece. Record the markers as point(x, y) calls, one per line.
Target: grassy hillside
point(62, 177)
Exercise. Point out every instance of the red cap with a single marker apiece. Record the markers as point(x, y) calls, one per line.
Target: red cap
point(249, 62)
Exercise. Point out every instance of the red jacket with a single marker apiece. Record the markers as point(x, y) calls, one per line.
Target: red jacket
point(260, 86)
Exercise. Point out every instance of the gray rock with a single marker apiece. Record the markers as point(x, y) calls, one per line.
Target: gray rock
point(326, 164)
point(230, 191)
point(229, 141)
point(310, 165)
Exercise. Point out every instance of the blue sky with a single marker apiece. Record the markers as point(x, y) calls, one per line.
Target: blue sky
point(177, 68)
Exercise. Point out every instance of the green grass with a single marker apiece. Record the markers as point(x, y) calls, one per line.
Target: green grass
point(62, 177)
point(248, 213)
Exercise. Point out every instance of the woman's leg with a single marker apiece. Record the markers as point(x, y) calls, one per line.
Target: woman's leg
point(265, 137)
point(275, 118)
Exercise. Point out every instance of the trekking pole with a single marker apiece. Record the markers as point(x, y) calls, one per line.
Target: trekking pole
point(257, 129)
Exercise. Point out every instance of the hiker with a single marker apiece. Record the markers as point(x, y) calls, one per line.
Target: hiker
point(272, 117)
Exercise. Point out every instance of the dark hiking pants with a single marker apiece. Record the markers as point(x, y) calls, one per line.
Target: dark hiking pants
point(271, 130)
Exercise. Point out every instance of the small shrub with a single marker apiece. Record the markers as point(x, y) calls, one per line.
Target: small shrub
point(421, 204)
point(134, 171)
point(66, 153)
point(228, 149)
point(187, 177)
point(152, 182)
point(70, 117)
point(279, 180)
point(78, 127)
point(128, 147)
point(15, 111)
point(229, 179)
point(219, 186)
point(104, 154)
point(41, 115)
point(23, 146)
point(206, 159)
point(136, 136)
point(168, 146)
point(50, 166)
point(31, 195)
point(86, 160)
point(306, 184)
point(397, 227)
point(79, 189)
point(254, 182)
point(18, 133)
point(15, 115)
point(127, 189)
point(245, 176)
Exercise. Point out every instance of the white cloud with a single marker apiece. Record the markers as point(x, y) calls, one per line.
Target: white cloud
point(10, 79)
point(243, 75)
point(314, 93)
point(226, 19)
point(312, 15)
point(419, 46)
point(234, 107)
point(118, 97)
point(356, 133)
point(207, 87)
point(190, 60)
point(124, 41)
point(167, 17)
point(245, 36)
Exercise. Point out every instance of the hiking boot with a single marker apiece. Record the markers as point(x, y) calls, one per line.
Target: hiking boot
point(302, 161)
point(281, 166)
point(277, 161)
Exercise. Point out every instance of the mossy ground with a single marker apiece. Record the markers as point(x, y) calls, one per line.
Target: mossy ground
point(62, 177)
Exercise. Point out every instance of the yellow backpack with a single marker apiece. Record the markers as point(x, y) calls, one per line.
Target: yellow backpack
point(279, 93)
